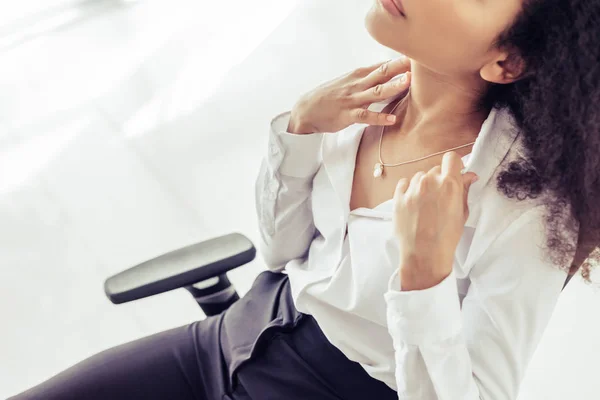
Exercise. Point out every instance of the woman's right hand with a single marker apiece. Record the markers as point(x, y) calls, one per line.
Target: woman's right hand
point(344, 101)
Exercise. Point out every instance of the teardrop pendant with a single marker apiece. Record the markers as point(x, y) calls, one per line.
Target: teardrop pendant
point(378, 171)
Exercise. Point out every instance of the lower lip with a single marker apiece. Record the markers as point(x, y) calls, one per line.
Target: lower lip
point(391, 8)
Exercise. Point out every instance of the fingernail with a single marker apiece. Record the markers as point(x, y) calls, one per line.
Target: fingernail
point(391, 118)
point(403, 78)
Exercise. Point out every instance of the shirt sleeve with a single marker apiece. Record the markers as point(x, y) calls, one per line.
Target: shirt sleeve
point(479, 352)
point(282, 193)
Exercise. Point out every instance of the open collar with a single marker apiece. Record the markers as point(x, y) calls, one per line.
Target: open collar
point(497, 135)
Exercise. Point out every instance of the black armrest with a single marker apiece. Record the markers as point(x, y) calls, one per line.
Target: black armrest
point(180, 268)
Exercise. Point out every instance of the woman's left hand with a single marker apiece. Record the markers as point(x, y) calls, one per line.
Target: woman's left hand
point(430, 213)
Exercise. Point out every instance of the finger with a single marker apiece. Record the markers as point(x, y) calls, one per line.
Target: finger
point(435, 170)
point(384, 73)
point(383, 91)
point(414, 182)
point(370, 68)
point(401, 187)
point(452, 165)
point(364, 116)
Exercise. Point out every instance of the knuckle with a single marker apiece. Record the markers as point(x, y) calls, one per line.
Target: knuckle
point(415, 181)
point(378, 90)
point(421, 190)
point(423, 183)
point(344, 96)
point(384, 69)
point(349, 88)
point(362, 114)
point(433, 172)
point(451, 154)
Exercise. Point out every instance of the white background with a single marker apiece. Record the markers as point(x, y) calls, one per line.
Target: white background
point(129, 129)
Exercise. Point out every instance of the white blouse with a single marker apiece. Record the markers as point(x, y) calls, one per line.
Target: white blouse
point(471, 336)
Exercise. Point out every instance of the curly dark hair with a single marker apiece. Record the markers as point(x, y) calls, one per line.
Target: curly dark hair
point(556, 106)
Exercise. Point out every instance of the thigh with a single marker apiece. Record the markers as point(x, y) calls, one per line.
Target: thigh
point(181, 363)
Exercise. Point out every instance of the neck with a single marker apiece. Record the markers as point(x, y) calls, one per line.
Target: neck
point(441, 108)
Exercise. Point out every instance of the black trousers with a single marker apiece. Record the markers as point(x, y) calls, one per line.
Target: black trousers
point(261, 348)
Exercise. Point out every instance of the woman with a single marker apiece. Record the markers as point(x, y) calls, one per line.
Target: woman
point(406, 277)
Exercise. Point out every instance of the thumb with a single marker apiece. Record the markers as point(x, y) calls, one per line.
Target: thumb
point(468, 179)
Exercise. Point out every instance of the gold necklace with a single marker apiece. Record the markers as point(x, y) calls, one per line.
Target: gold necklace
point(378, 169)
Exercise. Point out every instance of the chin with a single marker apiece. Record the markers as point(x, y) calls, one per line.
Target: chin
point(386, 31)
